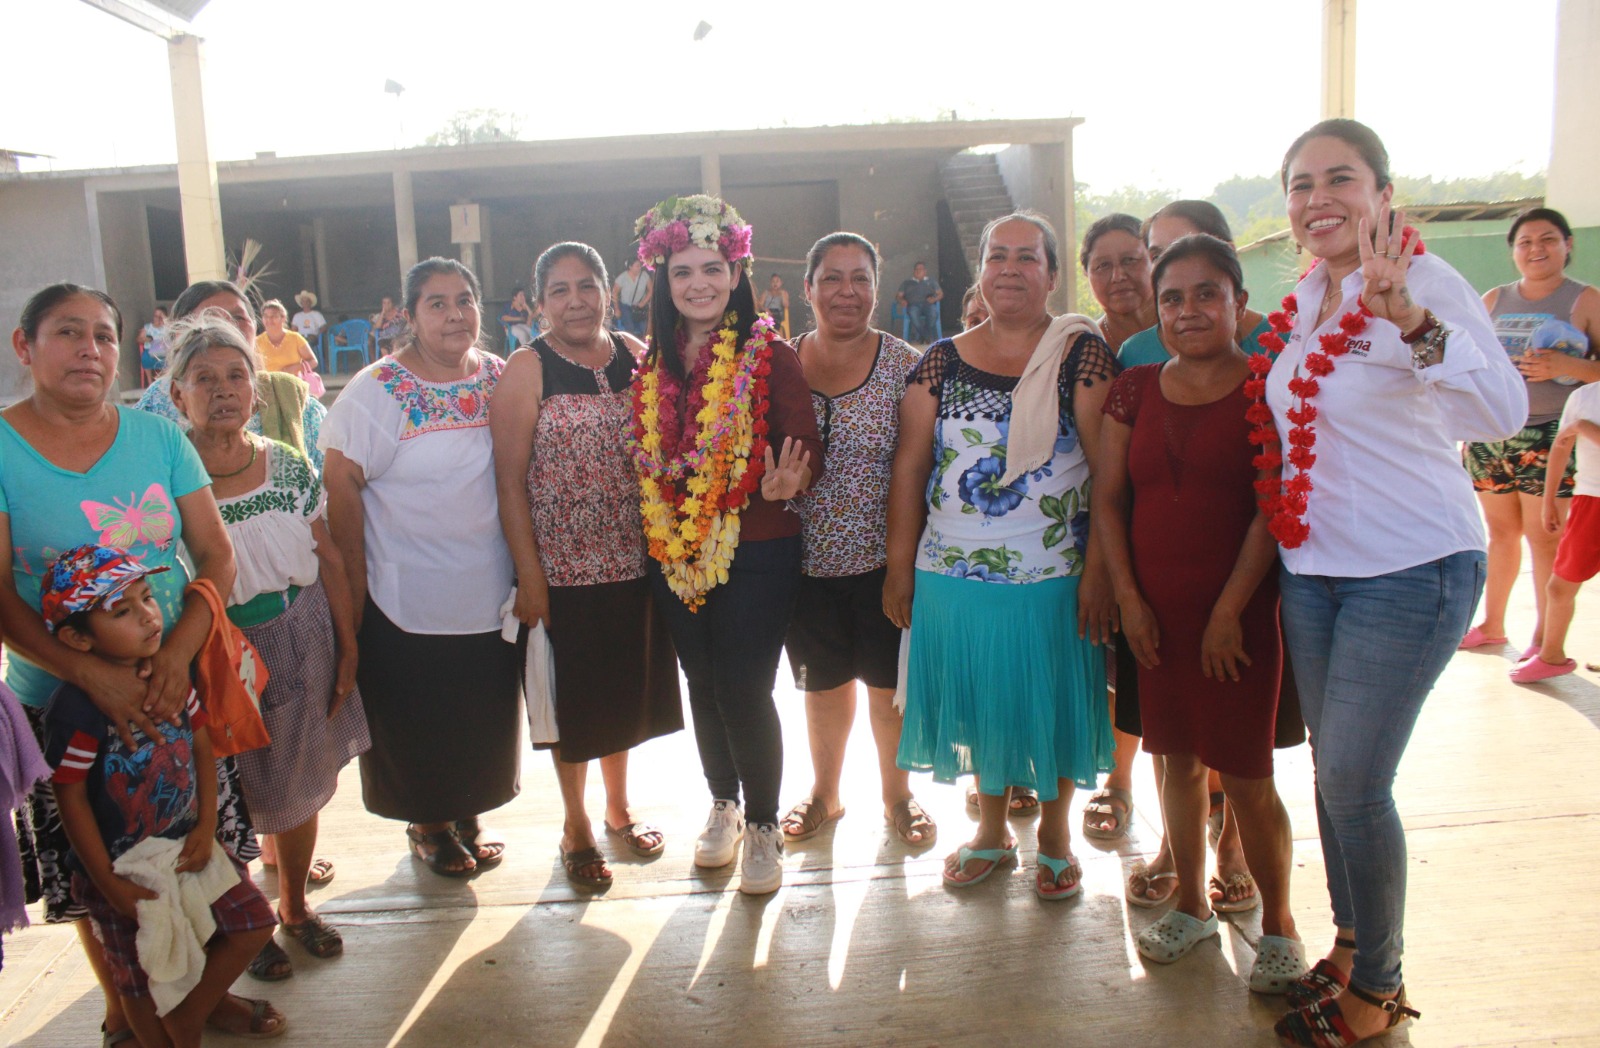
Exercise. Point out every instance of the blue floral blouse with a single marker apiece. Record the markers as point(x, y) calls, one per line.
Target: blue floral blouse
point(1033, 529)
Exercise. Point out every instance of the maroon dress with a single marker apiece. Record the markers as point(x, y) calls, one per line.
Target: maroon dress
point(616, 671)
point(1193, 501)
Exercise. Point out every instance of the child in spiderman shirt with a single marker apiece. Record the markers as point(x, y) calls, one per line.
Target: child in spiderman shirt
point(96, 599)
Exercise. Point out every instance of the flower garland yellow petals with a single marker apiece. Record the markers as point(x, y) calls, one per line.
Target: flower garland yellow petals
point(690, 498)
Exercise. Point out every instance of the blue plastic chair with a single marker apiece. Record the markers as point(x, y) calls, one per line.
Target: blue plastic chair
point(899, 316)
point(357, 339)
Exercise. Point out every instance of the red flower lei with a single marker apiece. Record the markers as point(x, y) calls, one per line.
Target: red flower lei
point(1285, 501)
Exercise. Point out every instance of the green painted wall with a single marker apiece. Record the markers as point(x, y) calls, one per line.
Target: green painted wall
point(1477, 250)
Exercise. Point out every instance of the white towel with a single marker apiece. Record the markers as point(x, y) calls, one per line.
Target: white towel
point(539, 686)
point(1035, 406)
point(175, 926)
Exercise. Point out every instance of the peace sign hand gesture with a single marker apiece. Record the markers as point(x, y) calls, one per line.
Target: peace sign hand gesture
point(789, 475)
point(1385, 259)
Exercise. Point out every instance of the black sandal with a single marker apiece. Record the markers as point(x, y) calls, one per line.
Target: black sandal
point(443, 848)
point(487, 853)
point(321, 939)
point(271, 964)
point(1322, 981)
point(1323, 1025)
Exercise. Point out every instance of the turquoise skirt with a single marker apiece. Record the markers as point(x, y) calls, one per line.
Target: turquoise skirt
point(999, 684)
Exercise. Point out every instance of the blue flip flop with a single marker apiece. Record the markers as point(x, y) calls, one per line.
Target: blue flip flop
point(996, 857)
point(1057, 867)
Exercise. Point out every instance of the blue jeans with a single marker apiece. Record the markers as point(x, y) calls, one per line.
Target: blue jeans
point(729, 651)
point(922, 314)
point(1366, 653)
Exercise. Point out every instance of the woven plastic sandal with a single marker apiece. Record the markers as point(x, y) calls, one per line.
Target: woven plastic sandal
point(1324, 980)
point(1322, 1025)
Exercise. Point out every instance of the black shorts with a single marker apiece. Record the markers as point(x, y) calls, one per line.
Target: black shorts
point(839, 633)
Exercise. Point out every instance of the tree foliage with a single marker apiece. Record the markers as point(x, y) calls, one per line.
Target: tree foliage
point(471, 126)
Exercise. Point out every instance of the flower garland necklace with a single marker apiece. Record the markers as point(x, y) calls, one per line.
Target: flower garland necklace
point(1285, 501)
point(696, 473)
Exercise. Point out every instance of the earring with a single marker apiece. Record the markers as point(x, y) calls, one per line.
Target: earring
point(1299, 249)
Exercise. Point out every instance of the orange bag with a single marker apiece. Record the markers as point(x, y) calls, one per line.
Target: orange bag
point(230, 678)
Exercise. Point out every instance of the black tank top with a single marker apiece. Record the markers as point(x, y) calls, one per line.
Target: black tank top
point(563, 377)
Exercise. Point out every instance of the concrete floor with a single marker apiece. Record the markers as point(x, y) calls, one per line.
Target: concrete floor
point(863, 946)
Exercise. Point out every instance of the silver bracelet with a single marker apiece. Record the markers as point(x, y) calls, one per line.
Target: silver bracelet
point(1425, 347)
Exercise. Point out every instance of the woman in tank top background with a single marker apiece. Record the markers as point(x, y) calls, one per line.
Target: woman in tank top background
point(1550, 326)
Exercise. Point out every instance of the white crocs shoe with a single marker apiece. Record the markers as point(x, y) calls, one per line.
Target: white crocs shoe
point(716, 843)
point(1279, 962)
point(762, 870)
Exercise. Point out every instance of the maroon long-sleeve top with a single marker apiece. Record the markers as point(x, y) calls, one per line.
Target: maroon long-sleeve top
point(789, 414)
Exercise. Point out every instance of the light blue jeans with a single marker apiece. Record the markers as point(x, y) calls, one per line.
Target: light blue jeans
point(1366, 653)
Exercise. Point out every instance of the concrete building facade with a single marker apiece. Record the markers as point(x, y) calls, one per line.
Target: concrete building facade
point(347, 226)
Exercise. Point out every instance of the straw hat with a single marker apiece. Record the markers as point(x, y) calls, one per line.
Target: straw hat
point(306, 300)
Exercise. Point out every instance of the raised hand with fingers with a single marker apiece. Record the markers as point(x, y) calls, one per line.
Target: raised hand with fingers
point(789, 475)
point(1386, 255)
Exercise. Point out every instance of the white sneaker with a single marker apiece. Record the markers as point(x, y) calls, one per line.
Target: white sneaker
point(716, 843)
point(762, 869)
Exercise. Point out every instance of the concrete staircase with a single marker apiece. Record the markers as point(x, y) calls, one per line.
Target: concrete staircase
point(976, 195)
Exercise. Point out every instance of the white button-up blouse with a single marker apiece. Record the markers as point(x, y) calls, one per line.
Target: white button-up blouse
point(1388, 488)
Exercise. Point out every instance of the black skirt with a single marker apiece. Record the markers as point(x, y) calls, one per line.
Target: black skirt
point(616, 671)
point(445, 719)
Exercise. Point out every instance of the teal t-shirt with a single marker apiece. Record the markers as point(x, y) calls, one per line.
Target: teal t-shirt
point(128, 499)
point(1146, 347)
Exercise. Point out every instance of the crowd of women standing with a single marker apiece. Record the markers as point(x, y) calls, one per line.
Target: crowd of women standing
point(969, 533)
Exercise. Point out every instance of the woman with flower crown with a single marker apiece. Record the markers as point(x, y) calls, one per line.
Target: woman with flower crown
point(723, 437)
point(988, 543)
point(1390, 359)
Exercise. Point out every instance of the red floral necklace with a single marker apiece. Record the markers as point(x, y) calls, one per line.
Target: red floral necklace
point(1285, 501)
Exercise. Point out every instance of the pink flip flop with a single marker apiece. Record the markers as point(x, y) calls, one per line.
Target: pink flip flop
point(1476, 638)
point(1536, 669)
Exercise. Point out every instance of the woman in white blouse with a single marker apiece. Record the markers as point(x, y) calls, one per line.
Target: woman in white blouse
point(291, 599)
point(1382, 551)
point(411, 504)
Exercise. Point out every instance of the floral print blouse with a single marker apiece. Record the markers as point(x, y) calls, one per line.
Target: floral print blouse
point(844, 518)
point(1033, 529)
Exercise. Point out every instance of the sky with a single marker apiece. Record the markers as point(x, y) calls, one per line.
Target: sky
point(1175, 94)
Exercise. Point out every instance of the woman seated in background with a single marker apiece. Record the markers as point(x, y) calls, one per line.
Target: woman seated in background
point(282, 349)
point(518, 319)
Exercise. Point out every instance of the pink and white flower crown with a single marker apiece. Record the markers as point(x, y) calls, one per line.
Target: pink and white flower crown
point(692, 221)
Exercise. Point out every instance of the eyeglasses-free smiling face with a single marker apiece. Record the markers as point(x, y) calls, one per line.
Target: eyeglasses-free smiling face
point(1331, 190)
point(1540, 251)
point(1200, 313)
point(701, 281)
point(1016, 277)
point(843, 292)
